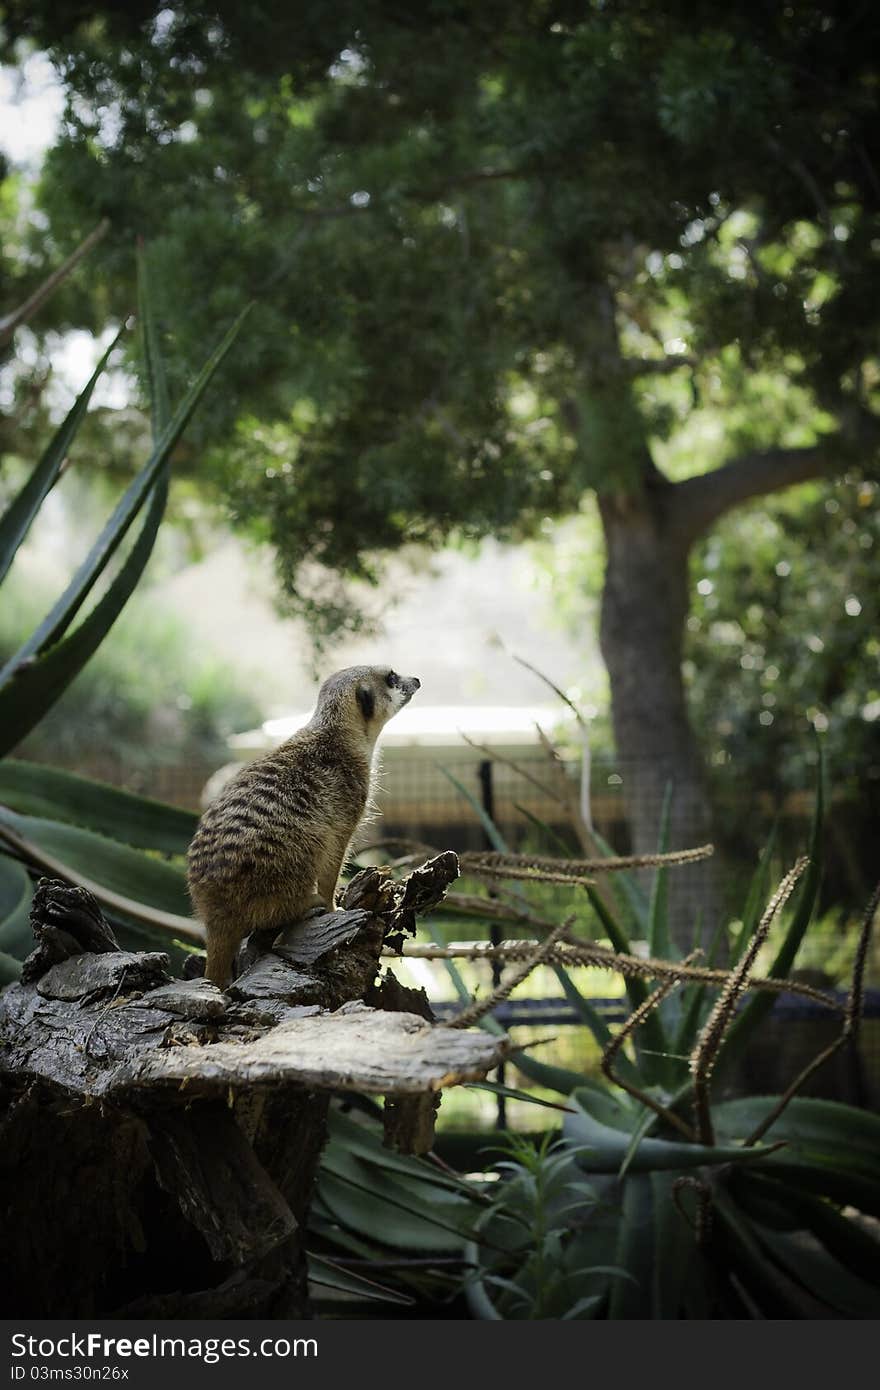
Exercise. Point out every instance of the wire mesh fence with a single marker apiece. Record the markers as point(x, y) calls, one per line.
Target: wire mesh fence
point(442, 798)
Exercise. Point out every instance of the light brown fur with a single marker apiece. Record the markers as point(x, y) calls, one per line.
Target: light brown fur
point(273, 843)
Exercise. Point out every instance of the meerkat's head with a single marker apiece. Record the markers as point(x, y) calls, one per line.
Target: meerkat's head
point(368, 696)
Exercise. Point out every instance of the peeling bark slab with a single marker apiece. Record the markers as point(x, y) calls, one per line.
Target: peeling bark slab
point(237, 1297)
point(356, 1048)
point(390, 994)
point(260, 1014)
point(309, 940)
point(196, 999)
point(371, 889)
point(271, 978)
point(426, 886)
point(88, 976)
point(74, 1047)
point(399, 904)
point(66, 921)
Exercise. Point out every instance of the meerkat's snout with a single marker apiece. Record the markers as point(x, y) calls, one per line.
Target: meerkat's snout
point(401, 688)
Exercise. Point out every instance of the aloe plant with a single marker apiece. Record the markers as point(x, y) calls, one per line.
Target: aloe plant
point(711, 1207)
point(724, 1230)
point(57, 822)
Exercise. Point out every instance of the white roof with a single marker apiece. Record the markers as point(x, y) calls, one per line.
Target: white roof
point(430, 726)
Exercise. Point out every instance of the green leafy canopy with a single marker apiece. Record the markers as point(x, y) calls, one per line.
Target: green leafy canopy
point(441, 213)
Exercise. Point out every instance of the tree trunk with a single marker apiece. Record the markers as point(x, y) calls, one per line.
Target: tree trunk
point(644, 607)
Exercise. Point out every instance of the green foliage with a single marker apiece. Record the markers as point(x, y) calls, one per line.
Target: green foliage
point(108, 861)
point(374, 1204)
point(783, 636)
point(528, 1229)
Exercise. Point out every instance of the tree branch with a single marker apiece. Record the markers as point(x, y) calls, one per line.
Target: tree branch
point(699, 502)
point(34, 302)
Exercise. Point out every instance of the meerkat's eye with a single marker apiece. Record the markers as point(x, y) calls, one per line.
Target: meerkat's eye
point(392, 679)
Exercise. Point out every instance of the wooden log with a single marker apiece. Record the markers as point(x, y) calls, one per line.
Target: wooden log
point(160, 1139)
point(354, 1049)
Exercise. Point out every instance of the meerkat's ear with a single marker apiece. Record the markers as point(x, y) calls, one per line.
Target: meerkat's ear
point(366, 701)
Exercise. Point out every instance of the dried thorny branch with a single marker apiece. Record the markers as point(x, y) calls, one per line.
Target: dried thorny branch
point(495, 908)
point(704, 1055)
point(635, 1020)
point(527, 874)
point(592, 955)
point(479, 1009)
point(852, 1016)
point(544, 869)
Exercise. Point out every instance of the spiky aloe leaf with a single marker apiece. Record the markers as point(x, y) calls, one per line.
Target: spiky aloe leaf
point(26, 311)
point(558, 1079)
point(736, 1239)
point(19, 515)
point(325, 1273)
point(390, 1208)
point(33, 687)
point(658, 908)
point(604, 1149)
point(497, 839)
point(855, 1247)
point(16, 892)
point(511, 1093)
point(635, 1250)
point(826, 1133)
point(152, 479)
point(102, 864)
point(365, 1142)
point(675, 1250)
point(51, 794)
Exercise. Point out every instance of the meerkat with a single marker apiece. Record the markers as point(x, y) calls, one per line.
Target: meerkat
point(272, 845)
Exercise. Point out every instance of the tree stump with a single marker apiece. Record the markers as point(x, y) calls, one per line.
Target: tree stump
point(160, 1139)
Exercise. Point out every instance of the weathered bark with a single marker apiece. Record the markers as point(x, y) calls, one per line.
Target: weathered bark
point(644, 608)
point(160, 1140)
